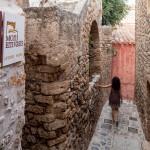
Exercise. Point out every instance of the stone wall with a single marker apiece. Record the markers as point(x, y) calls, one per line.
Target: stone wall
point(88, 104)
point(142, 95)
point(46, 57)
point(106, 59)
point(61, 109)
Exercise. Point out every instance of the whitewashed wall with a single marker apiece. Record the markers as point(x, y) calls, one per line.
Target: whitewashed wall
point(12, 94)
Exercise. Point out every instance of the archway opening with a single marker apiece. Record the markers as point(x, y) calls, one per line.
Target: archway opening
point(94, 52)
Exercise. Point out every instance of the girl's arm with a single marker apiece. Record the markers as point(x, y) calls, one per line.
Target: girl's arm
point(104, 86)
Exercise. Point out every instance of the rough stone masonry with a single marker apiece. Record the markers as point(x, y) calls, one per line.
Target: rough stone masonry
point(66, 56)
point(142, 94)
point(63, 62)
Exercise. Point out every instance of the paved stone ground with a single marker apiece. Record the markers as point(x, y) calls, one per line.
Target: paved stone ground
point(127, 136)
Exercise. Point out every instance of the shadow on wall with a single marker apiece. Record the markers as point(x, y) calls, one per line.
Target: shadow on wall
point(94, 50)
point(147, 109)
point(148, 90)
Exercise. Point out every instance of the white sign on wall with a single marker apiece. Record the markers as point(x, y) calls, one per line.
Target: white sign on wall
point(13, 40)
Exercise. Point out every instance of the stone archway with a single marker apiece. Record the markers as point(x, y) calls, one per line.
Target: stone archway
point(94, 54)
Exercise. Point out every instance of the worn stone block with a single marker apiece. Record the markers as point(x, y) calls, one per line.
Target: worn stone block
point(35, 109)
point(33, 130)
point(40, 147)
point(45, 134)
point(58, 124)
point(46, 69)
point(45, 118)
point(57, 141)
point(64, 97)
point(44, 99)
point(31, 139)
point(60, 106)
point(55, 88)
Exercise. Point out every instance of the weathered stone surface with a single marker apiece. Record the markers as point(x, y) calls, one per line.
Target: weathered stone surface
point(106, 60)
point(45, 118)
point(55, 88)
point(35, 109)
point(142, 87)
point(33, 130)
point(46, 135)
point(49, 109)
point(31, 139)
point(46, 69)
point(62, 146)
point(64, 97)
point(58, 64)
point(44, 99)
point(57, 141)
point(40, 147)
point(60, 106)
point(58, 124)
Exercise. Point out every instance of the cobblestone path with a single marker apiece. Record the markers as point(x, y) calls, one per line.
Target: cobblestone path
point(128, 135)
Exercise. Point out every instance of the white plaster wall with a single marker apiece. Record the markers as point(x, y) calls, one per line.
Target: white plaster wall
point(12, 95)
point(10, 6)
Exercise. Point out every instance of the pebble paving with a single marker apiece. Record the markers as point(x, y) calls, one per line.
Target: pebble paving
point(127, 136)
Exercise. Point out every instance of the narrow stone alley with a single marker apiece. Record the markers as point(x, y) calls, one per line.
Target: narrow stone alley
point(128, 135)
point(57, 62)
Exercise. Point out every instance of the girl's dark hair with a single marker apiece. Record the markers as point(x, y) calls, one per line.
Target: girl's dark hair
point(116, 83)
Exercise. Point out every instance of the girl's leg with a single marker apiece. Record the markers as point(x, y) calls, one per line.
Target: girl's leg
point(117, 117)
point(113, 115)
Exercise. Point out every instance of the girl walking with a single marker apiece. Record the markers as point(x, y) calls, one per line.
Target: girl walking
point(115, 98)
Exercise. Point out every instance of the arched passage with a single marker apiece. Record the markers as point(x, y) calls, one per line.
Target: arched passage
point(94, 52)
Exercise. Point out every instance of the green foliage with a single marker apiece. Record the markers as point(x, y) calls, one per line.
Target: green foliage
point(114, 11)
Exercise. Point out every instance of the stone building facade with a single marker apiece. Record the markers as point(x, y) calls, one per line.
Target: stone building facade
point(12, 95)
point(64, 60)
point(142, 94)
